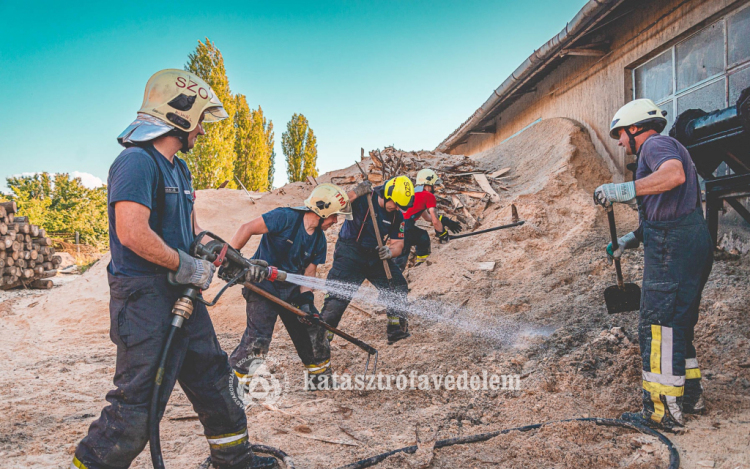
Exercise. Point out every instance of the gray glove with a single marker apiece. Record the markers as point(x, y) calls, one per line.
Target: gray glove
point(363, 188)
point(385, 253)
point(629, 241)
point(192, 271)
point(257, 272)
point(606, 194)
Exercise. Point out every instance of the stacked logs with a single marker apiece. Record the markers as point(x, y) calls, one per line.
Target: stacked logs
point(27, 257)
point(466, 192)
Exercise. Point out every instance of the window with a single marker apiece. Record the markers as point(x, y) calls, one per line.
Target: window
point(706, 71)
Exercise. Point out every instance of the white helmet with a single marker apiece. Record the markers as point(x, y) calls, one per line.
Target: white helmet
point(174, 100)
point(638, 112)
point(329, 199)
point(428, 177)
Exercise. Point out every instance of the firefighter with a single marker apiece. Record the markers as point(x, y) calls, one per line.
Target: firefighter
point(424, 207)
point(678, 257)
point(151, 227)
point(292, 240)
point(357, 256)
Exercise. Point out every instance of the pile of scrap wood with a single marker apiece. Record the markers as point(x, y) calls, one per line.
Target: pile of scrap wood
point(466, 191)
point(27, 257)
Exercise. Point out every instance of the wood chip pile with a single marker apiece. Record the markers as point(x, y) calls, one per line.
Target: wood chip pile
point(466, 192)
point(27, 257)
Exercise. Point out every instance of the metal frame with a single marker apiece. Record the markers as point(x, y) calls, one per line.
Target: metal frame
point(729, 189)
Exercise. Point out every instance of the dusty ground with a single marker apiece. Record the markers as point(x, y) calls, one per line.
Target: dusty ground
point(57, 362)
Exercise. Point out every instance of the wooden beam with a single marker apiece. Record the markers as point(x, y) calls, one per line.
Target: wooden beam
point(485, 185)
point(583, 52)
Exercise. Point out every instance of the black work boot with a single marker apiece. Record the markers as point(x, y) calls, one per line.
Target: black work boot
point(320, 382)
point(694, 406)
point(667, 422)
point(398, 329)
point(256, 462)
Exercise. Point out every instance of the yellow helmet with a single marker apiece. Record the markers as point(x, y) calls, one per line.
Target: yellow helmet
point(428, 177)
point(329, 199)
point(401, 191)
point(174, 99)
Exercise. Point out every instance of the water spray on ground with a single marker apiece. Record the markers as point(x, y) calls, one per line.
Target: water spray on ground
point(500, 330)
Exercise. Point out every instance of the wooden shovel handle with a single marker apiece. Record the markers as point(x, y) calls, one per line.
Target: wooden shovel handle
point(615, 246)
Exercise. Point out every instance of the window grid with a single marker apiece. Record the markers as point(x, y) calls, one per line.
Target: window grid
point(724, 75)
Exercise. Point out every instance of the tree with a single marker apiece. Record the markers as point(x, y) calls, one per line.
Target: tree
point(61, 204)
point(300, 149)
point(253, 146)
point(212, 159)
point(272, 155)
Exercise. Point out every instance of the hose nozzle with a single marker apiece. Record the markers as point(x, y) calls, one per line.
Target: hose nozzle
point(275, 274)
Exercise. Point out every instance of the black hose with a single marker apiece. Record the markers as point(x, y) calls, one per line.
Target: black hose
point(154, 442)
point(674, 456)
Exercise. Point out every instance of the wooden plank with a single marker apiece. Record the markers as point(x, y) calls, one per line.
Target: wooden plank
point(312, 180)
point(474, 194)
point(499, 172)
point(485, 185)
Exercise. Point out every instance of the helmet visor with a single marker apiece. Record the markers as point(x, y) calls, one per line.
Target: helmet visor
point(346, 212)
point(215, 114)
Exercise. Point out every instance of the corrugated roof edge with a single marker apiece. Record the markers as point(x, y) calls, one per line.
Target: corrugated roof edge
point(593, 11)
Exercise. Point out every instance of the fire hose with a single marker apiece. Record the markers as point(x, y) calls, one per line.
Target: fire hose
point(674, 455)
point(221, 254)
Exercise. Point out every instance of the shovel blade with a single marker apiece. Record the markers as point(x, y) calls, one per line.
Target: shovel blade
point(621, 300)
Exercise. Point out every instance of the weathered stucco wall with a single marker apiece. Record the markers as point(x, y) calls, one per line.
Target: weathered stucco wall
point(591, 89)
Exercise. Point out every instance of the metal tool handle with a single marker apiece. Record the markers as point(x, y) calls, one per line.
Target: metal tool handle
point(367, 348)
point(374, 218)
point(615, 246)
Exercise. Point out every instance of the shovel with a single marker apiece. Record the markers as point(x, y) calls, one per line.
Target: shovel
point(622, 297)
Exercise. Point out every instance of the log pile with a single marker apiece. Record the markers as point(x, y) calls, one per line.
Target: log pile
point(27, 257)
point(466, 191)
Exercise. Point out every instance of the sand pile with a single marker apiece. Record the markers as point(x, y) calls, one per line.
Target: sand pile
point(57, 362)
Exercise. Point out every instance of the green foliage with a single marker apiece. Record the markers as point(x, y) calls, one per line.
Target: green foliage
point(211, 161)
point(61, 204)
point(253, 146)
point(300, 149)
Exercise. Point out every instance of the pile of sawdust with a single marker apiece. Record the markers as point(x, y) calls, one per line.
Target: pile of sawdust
point(57, 362)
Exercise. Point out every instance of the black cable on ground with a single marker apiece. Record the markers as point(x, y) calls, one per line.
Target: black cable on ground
point(674, 456)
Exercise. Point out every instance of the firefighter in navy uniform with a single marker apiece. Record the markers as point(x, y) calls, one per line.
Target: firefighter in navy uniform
point(678, 257)
point(357, 257)
point(292, 240)
point(151, 227)
point(425, 206)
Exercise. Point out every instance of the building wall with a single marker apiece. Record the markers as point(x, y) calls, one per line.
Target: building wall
point(591, 89)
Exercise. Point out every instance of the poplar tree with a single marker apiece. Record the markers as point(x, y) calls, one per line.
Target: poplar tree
point(300, 149)
point(253, 146)
point(211, 161)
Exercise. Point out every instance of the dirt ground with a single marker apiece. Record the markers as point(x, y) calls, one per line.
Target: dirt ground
point(539, 314)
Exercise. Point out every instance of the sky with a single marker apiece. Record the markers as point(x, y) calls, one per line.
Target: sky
point(365, 74)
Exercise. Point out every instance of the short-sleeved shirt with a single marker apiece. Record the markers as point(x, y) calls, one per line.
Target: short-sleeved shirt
point(289, 251)
point(360, 229)
point(134, 176)
point(681, 200)
point(423, 200)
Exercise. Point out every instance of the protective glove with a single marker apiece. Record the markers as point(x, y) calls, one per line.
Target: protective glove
point(257, 272)
point(363, 188)
point(306, 303)
point(452, 225)
point(606, 194)
point(443, 237)
point(629, 241)
point(192, 271)
point(385, 253)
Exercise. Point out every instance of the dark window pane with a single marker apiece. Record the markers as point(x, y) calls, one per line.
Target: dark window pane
point(653, 80)
point(701, 56)
point(739, 36)
point(738, 81)
point(709, 98)
point(670, 115)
